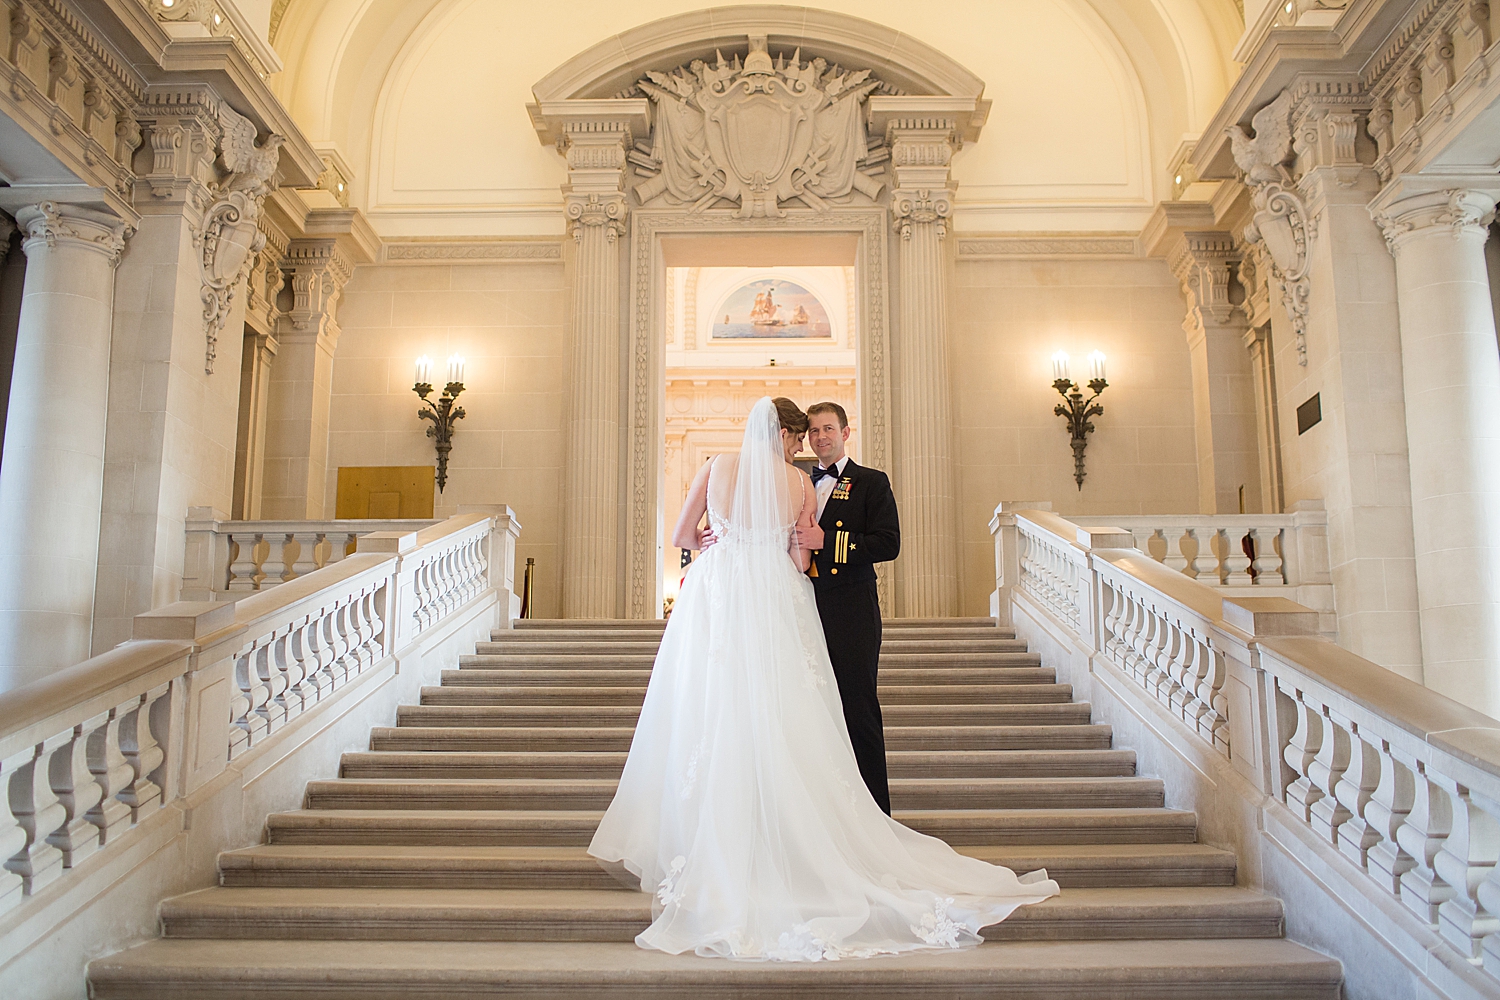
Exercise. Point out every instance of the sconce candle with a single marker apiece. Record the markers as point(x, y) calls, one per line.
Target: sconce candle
point(441, 411)
point(1096, 365)
point(1074, 408)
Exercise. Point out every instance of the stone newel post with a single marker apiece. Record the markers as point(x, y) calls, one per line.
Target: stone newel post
point(52, 487)
point(596, 211)
point(924, 476)
point(1451, 371)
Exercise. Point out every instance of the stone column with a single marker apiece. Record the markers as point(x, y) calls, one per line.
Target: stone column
point(1223, 381)
point(12, 278)
point(595, 205)
point(51, 489)
point(259, 350)
point(1257, 341)
point(1451, 372)
point(924, 479)
point(300, 387)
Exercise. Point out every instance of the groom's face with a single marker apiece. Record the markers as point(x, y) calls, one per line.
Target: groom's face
point(827, 437)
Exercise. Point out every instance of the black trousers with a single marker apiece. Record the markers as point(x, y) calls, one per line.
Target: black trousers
point(851, 623)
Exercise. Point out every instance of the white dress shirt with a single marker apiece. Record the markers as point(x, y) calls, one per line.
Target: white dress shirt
point(826, 484)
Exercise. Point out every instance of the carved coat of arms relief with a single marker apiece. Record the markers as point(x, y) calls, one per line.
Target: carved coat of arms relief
point(758, 133)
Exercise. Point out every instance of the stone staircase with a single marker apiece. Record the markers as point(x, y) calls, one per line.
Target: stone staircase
point(449, 859)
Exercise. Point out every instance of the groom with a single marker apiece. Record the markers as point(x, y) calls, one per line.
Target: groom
point(857, 527)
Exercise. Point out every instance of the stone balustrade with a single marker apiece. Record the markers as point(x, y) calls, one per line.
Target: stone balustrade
point(89, 754)
point(1245, 555)
point(242, 557)
point(1384, 792)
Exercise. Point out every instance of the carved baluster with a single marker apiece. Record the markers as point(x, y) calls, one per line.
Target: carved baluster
point(294, 697)
point(1195, 672)
point(1427, 825)
point(1464, 861)
point(37, 811)
point(347, 633)
point(77, 791)
point(1213, 724)
point(328, 638)
point(1326, 769)
point(253, 694)
point(1109, 600)
point(1270, 571)
point(1354, 790)
point(13, 835)
point(275, 564)
point(1489, 891)
point(1236, 563)
point(244, 571)
point(1386, 812)
point(1175, 559)
point(274, 708)
point(1156, 646)
point(306, 559)
point(1299, 754)
point(1205, 562)
point(315, 659)
point(112, 772)
point(1172, 663)
point(141, 731)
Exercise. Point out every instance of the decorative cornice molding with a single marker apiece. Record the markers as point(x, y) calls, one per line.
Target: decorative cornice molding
point(475, 252)
point(1030, 245)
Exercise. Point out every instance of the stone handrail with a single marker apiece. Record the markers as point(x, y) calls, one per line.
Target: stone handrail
point(1396, 787)
point(225, 557)
point(90, 752)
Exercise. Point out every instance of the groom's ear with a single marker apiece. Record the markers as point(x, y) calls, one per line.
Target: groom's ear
point(846, 432)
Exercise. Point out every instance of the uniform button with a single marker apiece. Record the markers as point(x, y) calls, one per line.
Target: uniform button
point(838, 524)
point(835, 570)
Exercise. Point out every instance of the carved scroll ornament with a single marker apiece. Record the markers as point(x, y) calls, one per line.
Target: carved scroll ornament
point(758, 133)
point(230, 237)
point(1280, 222)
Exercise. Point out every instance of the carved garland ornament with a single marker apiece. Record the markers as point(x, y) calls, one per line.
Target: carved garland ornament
point(1281, 221)
point(757, 133)
point(230, 237)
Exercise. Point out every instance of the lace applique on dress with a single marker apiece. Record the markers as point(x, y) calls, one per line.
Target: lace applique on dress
point(667, 892)
point(937, 927)
point(690, 776)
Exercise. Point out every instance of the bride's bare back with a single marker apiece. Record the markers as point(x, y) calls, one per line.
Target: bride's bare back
point(713, 490)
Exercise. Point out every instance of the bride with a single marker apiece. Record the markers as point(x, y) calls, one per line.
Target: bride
point(741, 801)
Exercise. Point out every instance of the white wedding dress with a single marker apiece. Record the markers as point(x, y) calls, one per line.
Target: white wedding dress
point(741, 804)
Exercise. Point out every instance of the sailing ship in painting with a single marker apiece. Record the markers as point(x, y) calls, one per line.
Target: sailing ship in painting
point(773, 308)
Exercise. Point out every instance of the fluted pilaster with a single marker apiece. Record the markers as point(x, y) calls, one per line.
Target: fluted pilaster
point(596, 211)
point(925, 475)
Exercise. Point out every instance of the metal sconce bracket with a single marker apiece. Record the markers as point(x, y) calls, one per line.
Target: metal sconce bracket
point(1078, 414)
point(443, 415)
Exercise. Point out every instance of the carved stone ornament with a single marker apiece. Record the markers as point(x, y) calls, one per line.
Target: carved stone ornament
point(758, 133)
point(1281, 220)
point(230, 237)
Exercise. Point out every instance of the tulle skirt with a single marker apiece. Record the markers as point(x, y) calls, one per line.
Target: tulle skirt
point(741, 806)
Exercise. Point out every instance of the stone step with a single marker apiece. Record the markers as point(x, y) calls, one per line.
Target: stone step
point(486, 655)
point(557, 827)
point(1094, 736)
point(446, 867)
point(1192, 969)
point(590, 716)
point(901, 764)
point(925, 694)
point(533, 644)
point(597, 793)
point(602, 635)
point(480, 675)
point(342, 914)
point(530, 624)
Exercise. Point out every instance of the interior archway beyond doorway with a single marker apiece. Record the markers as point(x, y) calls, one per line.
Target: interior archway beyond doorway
point(850, 240)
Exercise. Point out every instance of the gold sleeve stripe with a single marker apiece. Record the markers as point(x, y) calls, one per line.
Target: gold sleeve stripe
point(841, 547)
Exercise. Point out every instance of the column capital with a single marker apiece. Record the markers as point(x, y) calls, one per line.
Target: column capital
point(320, 269)
point(587, 210)
point(1203, 261)
point(911, 208)
point(595, 193)
point(1457, 210)
point(48, 224)
point(922, 149)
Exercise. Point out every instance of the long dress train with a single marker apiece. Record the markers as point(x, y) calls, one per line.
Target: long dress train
point(741, 804)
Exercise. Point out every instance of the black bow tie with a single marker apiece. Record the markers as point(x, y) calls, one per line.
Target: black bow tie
point(819, 473)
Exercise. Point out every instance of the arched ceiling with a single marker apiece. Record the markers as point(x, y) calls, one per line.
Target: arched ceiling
point(427, 98)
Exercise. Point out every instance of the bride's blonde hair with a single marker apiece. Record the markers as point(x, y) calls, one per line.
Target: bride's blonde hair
point(793, 420)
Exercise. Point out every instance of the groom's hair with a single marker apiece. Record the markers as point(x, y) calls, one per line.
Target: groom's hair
point(833, 408)
point(793, 420)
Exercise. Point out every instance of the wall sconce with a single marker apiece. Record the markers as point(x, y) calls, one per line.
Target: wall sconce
point(1073, 406)
point(441, 411)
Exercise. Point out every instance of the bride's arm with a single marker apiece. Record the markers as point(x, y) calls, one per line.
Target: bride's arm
point(801, 556)
point(685, 535)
